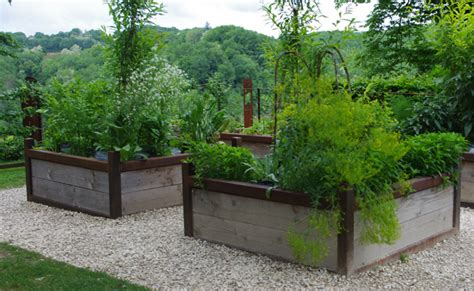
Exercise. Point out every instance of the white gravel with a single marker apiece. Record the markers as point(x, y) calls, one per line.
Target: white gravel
point(150, 249)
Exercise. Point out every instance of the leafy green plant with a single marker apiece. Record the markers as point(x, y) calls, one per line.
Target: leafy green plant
point(333, 141)
point(434, 154)
point(452, 37)
point(263, 126)
point(131, 43)
point(222, 161)
point(74, 113)
point(11, 147)
point(263, 170)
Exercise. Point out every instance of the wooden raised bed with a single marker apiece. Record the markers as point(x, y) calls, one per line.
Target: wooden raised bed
point(105, 188)
point(467, 180)
point(240, 215)
point(259, 145)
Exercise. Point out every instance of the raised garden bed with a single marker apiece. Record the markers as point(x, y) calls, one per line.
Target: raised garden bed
point(240, 215)
point(105, 188)
point(467, 180)
point(259, 145)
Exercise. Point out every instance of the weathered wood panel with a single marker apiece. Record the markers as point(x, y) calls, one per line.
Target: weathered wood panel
point(140, 180)
point(74, 176)
point(421, 215)
point(255, 211)
point(71, 195)
point(167, 196)
point(258, 149)
point(467, 182)
point(251, 224)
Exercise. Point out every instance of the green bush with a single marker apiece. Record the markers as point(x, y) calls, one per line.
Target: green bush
point(11, 148)
point(434, 153)
point(332, 143)
point(221, 161)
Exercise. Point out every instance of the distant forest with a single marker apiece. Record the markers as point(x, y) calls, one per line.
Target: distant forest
point(225, 54)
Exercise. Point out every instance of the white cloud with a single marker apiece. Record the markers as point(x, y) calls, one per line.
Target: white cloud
point(51, 16)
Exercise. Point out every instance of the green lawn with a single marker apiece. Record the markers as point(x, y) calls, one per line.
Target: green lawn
point(12, 178)
point(24, 270)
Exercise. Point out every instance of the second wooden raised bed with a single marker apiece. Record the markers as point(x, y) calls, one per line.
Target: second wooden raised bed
point(259, 145)
point(105, 188)
point(240, 215)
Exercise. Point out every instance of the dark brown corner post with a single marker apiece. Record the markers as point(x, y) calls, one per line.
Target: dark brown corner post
point(236, 141)
point(345, 239)
point(457, 200)
point(115, 187)
point(28, 145)
point(187, 199)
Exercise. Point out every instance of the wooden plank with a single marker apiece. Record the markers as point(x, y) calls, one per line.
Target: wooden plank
point(419, 204)
point(345, 239)
point(115, 190)
point(71, 195)
point(468, 156)
point(153, 162)
point(258, 149)
point(248, 210)
point(75, 176)
point(253, 138)
point(412, 231)
point(149, 199)
point(187, 172)
point(258, 191)
point(151, 178)
point(28, 145)
point(76, 161)
point(253, 238)
point(467, 173)
point(12, 165)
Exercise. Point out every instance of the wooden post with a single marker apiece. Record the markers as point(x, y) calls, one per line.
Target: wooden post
point(457, 200)
point(258, 103)
point(115, 184)
point(187, 172)
point(345, 239)
point(248, 104)
point(236, 141)
point(28, 145)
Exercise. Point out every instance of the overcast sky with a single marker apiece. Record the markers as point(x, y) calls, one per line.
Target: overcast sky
point(52, 16)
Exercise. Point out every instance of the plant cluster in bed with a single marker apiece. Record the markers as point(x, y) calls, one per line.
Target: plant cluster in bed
point(330, 144)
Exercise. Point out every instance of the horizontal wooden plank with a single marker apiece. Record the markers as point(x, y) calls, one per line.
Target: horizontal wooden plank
point(253, 238)
point(419, 204)
point(75, 176)
point(88, 163)
point(12, 165)
point(152, 199)
point(153, 163)
point(248, 210)
point(73, 196)
point(468, 156)
point(467, 173)
point(467, 192)
point(251, 138)
point(151, 178)
point(256, 191)
point(412, 231)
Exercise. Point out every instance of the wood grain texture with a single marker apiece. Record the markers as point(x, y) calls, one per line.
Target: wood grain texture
point(467, 182)
point(251, 224)
point(149, 199)
point(151, 178)
point(60, 158)
point(74, 176)
point(71, 195)
point(421, 215)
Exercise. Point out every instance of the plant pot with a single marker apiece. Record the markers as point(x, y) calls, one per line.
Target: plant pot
point(259, 145)
point(467, 180)
point(105, 188)
point(240, 215)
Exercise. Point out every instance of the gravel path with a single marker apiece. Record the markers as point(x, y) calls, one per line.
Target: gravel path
point(150, 249)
